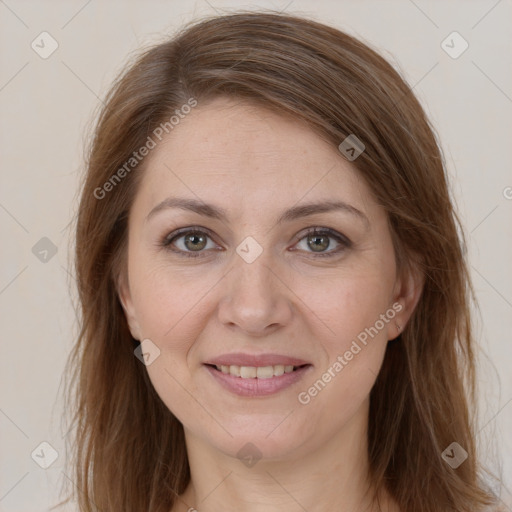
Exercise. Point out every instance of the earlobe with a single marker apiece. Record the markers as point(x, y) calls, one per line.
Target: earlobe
point(124, 295)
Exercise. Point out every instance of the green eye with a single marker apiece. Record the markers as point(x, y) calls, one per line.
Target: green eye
point(189, 242)
point(318, 242)
point(195, 241)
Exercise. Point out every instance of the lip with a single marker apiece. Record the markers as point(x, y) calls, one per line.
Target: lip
point(256, 387)
point(241, 359)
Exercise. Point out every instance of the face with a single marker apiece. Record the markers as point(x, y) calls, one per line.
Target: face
point(263, 270)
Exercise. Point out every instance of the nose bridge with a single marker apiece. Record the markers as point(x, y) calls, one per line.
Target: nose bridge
point(255, 275)
point(254, 298)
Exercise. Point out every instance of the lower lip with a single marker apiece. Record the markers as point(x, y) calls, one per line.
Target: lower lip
point(257, 387)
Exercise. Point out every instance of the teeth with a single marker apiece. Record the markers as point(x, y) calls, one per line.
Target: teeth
point(253, 372)
point(265, 372)
point(248, 372)
point(279, 370)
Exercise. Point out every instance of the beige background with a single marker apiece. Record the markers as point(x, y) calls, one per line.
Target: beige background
point(46, 105)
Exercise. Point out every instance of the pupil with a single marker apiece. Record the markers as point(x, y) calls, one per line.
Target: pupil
point(195, 242)
point(319, 242)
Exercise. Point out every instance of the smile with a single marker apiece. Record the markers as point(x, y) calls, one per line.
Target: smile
point(254, 381)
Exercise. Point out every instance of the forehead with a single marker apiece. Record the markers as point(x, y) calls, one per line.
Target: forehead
point(226, 149)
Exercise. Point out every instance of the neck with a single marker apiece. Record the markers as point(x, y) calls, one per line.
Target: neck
point(332, 476)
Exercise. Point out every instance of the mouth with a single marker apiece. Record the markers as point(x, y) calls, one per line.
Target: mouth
point(257, 381)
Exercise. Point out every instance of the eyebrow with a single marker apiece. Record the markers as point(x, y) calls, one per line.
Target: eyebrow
point(296, 212)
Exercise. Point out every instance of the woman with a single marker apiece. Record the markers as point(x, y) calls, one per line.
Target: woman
point(275, 303)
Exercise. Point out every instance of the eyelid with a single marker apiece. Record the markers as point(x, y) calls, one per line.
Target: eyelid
point(317, 230)
point(343, 241)
point(183, 231)
point(167, 241)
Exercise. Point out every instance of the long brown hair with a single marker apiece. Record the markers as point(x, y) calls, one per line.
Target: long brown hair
point(128, 448)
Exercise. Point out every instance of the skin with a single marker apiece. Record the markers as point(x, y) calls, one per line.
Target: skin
point(255, 164)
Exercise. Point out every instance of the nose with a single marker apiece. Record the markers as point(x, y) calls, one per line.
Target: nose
point(256, 299)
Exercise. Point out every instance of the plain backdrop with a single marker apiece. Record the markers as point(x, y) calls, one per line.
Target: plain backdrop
point(47, 105)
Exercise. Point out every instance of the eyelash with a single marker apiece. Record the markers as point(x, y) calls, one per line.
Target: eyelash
point(344, 242)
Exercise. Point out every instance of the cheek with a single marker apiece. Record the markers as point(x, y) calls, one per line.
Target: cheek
point(355, 313)
point(352, 302)
point(341, 387)
point(172, 310)
point(170, 303)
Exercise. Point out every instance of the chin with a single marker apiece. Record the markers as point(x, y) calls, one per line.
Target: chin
point(270, 438)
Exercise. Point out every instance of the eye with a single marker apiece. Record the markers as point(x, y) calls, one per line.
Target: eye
point(194, 242)
point(318, 240)
point(189, 242)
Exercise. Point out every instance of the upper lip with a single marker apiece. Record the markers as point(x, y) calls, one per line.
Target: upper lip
point(240, 359)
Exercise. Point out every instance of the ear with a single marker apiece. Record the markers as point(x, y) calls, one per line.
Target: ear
point(407, 293)
point(124, 294)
